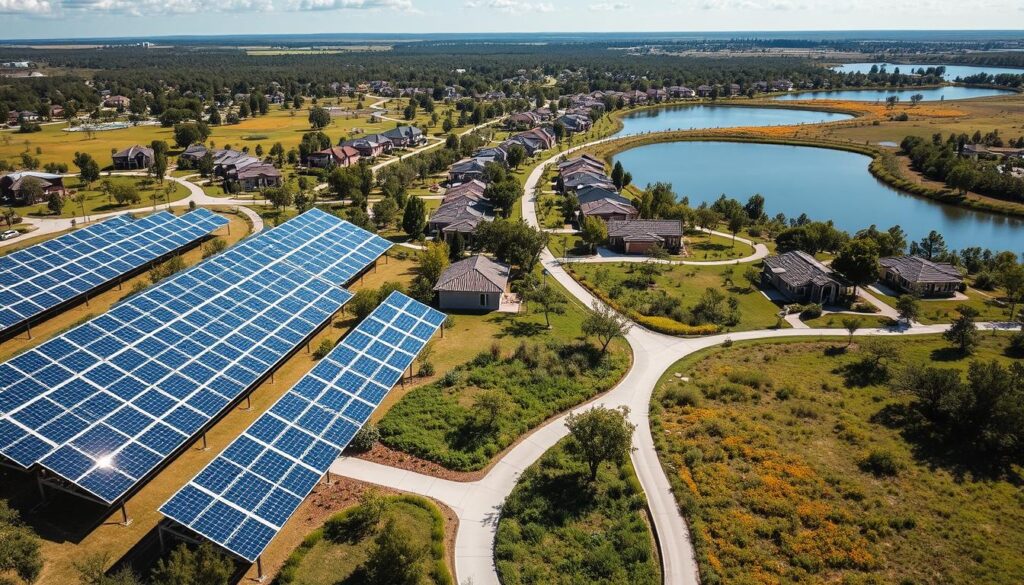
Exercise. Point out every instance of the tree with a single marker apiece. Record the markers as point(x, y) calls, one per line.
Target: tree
point(397, 557)
point(433, 259)
point(363, 302)
point(963, 333)
point(188, 133)
point(319, 117)
point(488, 406)
point(617, 174)
point(858, 262)
point(279, 197)
point(705, 218)
point(736, 223)
point(214, 116)
point(54, 202)
point(19, 548)
point(206, 165)
point(550, 300)
point(385, 212)
point(605, 324)
point(159, 168)
point(963, 178)
point(504, 195)
point(89, 169)
point(851, 324)
point(932, 246)
point(414, 219)
point(908, 308)
point(202, 566)
point(752, 276)
point(600, 434)
point(754, 207)
point(1011, 277)
point(916, 99)
point(512, 241)
point(516, 156)
point(594, 232)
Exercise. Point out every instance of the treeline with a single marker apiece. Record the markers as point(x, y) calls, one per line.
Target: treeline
point(941, 160)
point(34, 93)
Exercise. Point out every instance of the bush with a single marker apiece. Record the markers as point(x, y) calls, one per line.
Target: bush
point(323, 349)
point(864, 308)
point(426, 369)
point(365, 439)
point(880, 463)
point(811, 311)
point(985, 280)
point(681, 396)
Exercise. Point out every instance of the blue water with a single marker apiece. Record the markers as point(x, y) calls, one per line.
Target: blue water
point(951, 92)
point(702, 117)
point(952, 71)
point(824, 184)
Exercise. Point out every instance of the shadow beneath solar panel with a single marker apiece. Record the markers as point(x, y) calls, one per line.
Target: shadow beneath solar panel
point(143, 557)
point(62, 517)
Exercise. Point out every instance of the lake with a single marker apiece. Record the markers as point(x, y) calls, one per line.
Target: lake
point(824, 184)
point(952, 71)
point(949, 92)
point(701, 117)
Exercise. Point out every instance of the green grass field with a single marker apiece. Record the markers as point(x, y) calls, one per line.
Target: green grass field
point(764, 445)
point(988, 305)
point(96, 201)
point(338, 552)
point(557, 527)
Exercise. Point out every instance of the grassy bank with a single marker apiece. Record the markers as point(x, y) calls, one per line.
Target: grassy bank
point(558, 527)
point(772, 451)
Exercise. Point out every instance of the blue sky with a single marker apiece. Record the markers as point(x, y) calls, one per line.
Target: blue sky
point(85, 18)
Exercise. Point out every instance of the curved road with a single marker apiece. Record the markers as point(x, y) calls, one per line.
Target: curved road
point(478, 504)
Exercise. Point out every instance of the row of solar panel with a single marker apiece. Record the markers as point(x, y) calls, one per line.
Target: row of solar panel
point(41, 277)
point(246, 494)
point(105, 403)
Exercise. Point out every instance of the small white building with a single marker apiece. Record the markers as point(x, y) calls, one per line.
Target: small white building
point(474, 284)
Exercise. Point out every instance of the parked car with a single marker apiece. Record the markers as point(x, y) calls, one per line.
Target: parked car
point(9, 234)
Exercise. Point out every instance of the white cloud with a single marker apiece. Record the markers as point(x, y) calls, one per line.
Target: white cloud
point(511, 6)
point(26, 7)
point(398, 5)
point(610, 6)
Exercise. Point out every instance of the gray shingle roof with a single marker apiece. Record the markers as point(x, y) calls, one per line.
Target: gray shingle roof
point(921, 270)
point(799, 268)
point(474, 274)
point(645, 229)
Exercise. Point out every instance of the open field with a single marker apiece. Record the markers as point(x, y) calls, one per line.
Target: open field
point(338, 552)
point(278, 125)
point(680, 287)
point(766, 443)
point(558, 527)
point(988, 304)
point(96, 201)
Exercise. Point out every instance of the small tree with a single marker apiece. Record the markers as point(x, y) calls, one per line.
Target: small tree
point(385, 212)
point(908, 308)
point(736, 223)
point(851, 324)
point(54, 202)
point(550, 299)
point(963, 333)
point(600, 434)
point(594, 232)
point(414, 219)
point(319, 117)
point(516, 156)
point(858, 262)
point(752, 276)
point(202, 566)
point(488, 406)
point(396, 557)
point(433, 260)
point(604, 324)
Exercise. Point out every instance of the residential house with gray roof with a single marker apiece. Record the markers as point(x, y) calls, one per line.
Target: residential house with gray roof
point(919, 276)
point(474, 284)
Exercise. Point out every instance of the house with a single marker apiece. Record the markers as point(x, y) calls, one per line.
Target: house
point(12, 187)
point(134, 157)
point(256, 176)
point(801, 278)
point(576, 180)
point(920, 276)
point(680, 91)
point(533, 141)
point(782, 85)
point(638, 236)
point(495, 154)
point(55, 111)
point(116, 101)
point(584, 161)
point(14, 117)
point(193, 154)
point(335, 156)
point(523, 121)
point(473, 189)
point(405, 136)
point(459, 216)
point(704, 91)
point(467, 169)
point(605, 204)
point(474, 284)
point(371, 145)
point(575, 123)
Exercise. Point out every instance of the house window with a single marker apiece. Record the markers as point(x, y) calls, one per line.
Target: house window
point(483, 300)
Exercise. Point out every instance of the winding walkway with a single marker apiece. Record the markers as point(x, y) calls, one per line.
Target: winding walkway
point(478, 504)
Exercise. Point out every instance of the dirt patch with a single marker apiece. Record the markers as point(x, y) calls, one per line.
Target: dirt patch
point(392, 458)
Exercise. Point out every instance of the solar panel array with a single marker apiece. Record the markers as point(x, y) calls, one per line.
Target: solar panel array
point(246, 494)
point(105, 403)
point(43, 276)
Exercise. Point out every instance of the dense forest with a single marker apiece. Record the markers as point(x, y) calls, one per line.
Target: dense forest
point(942, 160)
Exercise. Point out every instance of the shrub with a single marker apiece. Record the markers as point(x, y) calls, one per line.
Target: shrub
point(681, 396)
point(449, 379)
point(323, 349)
point(985, 280)
point(754, 379)
point(365, 439)
point(880, 463)
point(864, 308)
point(811, 311)
point(426, 369)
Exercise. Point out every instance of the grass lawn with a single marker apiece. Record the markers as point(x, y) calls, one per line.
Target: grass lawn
point(712, 247)
point(943, 311)
point(683, 286)
point(98, 202)
point(337, 553)
point(835, 320)
point(557, 527)
point(764, 444)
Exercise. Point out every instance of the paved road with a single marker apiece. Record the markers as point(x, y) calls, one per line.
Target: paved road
point(478, 504)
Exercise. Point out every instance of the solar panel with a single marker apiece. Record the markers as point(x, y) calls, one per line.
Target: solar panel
point(43, 276)
point(103, 404)
point(246, 494)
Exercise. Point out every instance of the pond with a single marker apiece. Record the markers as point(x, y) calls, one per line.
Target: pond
point(952, 71)
point(824, 184)
point(932, 94)
point(698, 117)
